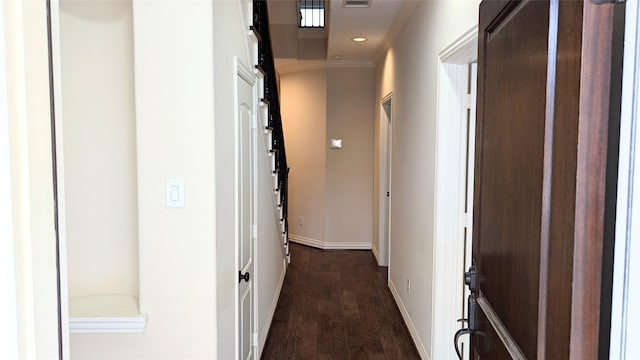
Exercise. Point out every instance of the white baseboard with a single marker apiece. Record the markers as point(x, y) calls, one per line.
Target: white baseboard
point(265, 331)
point(326, 245)
point(306, 241)
point(407, 320)
point(374, 250)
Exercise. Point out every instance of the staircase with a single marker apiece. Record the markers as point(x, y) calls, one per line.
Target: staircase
point(271, 120)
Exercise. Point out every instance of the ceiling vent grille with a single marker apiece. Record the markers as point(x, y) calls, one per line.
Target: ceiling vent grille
point(357, 3)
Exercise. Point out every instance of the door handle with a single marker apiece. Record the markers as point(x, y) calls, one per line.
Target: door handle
point(244, 276)
point(470, 281)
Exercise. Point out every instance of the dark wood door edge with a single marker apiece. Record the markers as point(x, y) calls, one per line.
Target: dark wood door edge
point(591, 187)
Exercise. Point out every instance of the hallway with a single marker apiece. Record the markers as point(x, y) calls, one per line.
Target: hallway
point(336, 305)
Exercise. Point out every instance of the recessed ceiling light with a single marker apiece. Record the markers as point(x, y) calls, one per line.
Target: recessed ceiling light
point(336, 57)
point(359, 39)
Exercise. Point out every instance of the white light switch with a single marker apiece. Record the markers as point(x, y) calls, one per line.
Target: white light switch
point(336, 144)
point(175, 193)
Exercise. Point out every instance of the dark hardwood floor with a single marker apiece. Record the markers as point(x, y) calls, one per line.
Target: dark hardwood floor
point(336, 305)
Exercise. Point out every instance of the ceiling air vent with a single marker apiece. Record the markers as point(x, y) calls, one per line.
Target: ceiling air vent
point(357, 3)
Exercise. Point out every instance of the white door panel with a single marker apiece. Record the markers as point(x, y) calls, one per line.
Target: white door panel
point(245, 101)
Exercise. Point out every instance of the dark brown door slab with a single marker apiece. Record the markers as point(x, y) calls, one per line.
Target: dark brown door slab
point(544, 80)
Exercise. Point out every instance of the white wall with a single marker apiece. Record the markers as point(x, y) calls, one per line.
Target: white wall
point(229, 41)
point(304, 109)
point(27, 75)
point(176, 112)
point(96, 40)
point(270, 262)
point(174, 97)
point(409, 70)
point(8, 305)
point(331, 189)
point(183, 69)
point(349, 171)
point(230, 24)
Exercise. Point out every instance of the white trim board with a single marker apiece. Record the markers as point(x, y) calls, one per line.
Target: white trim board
point(105, 314)
point(274, 304)
point(449, 200)
point(462, 51)
point(407, 320)
point(107, 325)
point(326, 245)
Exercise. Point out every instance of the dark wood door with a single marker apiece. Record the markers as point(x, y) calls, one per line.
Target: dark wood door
point(544, 101)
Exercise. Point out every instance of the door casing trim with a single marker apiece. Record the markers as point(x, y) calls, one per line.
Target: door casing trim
point(449, 205)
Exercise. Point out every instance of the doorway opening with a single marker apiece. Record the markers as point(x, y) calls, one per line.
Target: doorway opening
point(381, 250)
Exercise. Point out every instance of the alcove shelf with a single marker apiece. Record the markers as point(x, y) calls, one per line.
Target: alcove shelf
point(99, 170)
point(105, 314)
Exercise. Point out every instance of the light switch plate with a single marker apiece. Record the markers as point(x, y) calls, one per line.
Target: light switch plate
point(175, 193)
point(336, 143)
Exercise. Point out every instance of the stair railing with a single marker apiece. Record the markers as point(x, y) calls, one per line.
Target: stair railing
point(273, 121)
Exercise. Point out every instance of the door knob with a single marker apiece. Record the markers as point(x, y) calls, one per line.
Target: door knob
point(244, 276)
point(470, 279)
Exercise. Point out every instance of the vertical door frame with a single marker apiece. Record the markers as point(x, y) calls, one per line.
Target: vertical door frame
point(626, 253)
point(58, 153)
point(471, 150)
point(384, 205)
point(450, 190)
point(27, 83)
point(255, 336)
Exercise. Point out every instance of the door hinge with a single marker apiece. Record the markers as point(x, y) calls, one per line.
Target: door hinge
point(465, 220)
point(254, 339)
point(254, 231)
point(254, 120)
point(467, 101)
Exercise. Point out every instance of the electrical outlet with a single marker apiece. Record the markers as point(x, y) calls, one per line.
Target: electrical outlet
point(300, 220)
point(408, 285)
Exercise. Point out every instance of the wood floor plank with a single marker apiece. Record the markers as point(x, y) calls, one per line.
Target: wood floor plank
point(336, 305)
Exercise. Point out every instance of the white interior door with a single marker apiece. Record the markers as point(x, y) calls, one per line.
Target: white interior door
point(245, 109)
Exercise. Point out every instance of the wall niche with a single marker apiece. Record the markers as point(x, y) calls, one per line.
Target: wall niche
point(99, 165)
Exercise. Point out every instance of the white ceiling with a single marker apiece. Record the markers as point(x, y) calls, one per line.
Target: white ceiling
point(374, 23)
